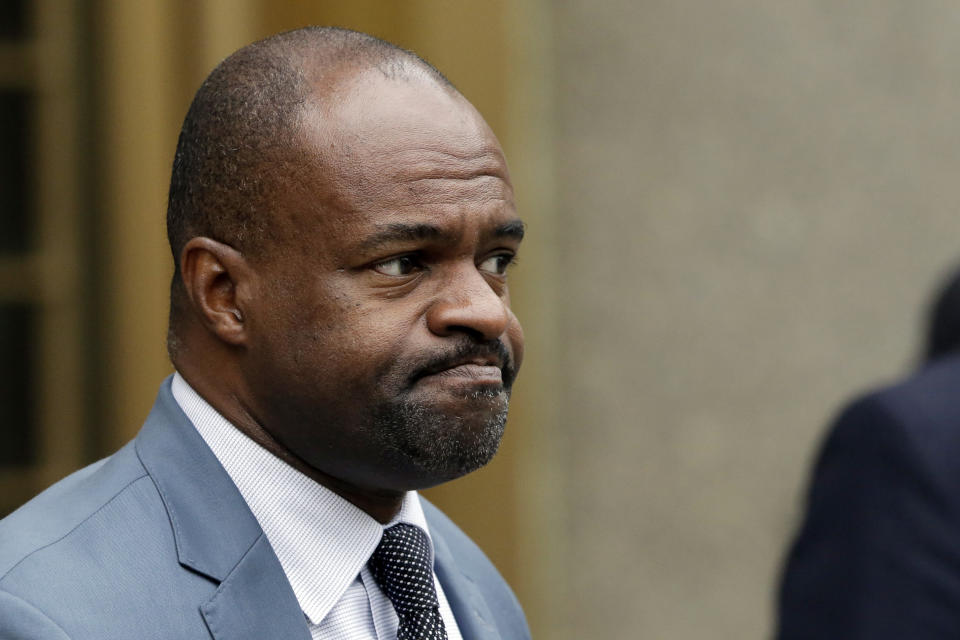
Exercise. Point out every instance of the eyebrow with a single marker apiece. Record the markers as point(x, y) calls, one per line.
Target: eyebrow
point(513, 229)
point(401, 232)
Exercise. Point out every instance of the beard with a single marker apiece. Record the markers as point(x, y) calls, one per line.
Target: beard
point(440, 445)
point(444, 440)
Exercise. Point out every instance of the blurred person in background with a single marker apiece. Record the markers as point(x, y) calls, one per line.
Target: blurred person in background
point(943, 320)
point(878, 552)
point(341, 220)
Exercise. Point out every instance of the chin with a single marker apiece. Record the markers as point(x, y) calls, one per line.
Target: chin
point(437, 444)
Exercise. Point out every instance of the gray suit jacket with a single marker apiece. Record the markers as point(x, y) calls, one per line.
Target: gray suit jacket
point(156, 542)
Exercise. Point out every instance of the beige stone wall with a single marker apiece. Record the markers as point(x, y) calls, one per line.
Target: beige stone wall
point(755, 199)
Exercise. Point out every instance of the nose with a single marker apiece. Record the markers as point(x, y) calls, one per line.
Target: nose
point(469, 304)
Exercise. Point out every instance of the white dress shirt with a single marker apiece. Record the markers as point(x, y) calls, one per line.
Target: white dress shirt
point(322, 541)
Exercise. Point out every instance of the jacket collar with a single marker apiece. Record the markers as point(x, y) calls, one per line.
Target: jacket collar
point(216, 534)
point(212, 524)
point(474, 618)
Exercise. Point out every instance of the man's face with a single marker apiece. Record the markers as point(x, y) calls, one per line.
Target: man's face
point(382, 346)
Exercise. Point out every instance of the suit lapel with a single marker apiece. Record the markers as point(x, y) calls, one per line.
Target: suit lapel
point(215, 532)
point(466, 601)
point(255, 601)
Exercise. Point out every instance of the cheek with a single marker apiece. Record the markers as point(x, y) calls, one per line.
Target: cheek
point(343, 337)
point(357, 346)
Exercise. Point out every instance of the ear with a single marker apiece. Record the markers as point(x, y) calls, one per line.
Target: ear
point(213, 273)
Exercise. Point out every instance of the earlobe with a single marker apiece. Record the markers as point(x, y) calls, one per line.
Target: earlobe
point(213, 273)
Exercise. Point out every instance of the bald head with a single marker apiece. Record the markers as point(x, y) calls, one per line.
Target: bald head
point(239, 144)
point(242, 127)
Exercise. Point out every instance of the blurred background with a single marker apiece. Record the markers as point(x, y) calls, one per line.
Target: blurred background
point(737, 213)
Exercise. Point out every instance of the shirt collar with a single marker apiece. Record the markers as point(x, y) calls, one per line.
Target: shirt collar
point(321, 540)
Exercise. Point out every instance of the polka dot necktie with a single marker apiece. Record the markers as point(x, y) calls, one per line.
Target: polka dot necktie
point(401, 567)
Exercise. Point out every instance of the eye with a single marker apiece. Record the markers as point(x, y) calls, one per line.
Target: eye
point(497, 264)
point(399, 266)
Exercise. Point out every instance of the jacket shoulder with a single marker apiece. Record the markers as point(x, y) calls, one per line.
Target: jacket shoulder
point(53, 514)
point(95, 556)
point(920, 416)
point(929, 393)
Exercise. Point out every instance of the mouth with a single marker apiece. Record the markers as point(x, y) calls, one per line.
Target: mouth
point(486, 366)
point(468, 373)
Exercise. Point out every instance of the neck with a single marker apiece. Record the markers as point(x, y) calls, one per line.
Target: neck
point(380, 505)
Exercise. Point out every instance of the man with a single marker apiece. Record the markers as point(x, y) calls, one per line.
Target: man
point(341, 221)
point(878, 555)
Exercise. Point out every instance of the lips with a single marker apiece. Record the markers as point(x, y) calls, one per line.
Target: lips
point(468, 364)
point(480, 373)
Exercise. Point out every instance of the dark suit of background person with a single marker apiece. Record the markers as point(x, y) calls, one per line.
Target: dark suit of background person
point(878, 553)
point(341, 220)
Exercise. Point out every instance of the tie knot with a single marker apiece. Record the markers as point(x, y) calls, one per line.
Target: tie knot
point(401, 566)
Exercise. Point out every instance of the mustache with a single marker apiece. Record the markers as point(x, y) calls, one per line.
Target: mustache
point(494, 350)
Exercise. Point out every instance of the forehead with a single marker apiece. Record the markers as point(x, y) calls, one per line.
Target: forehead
point(394, 148)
